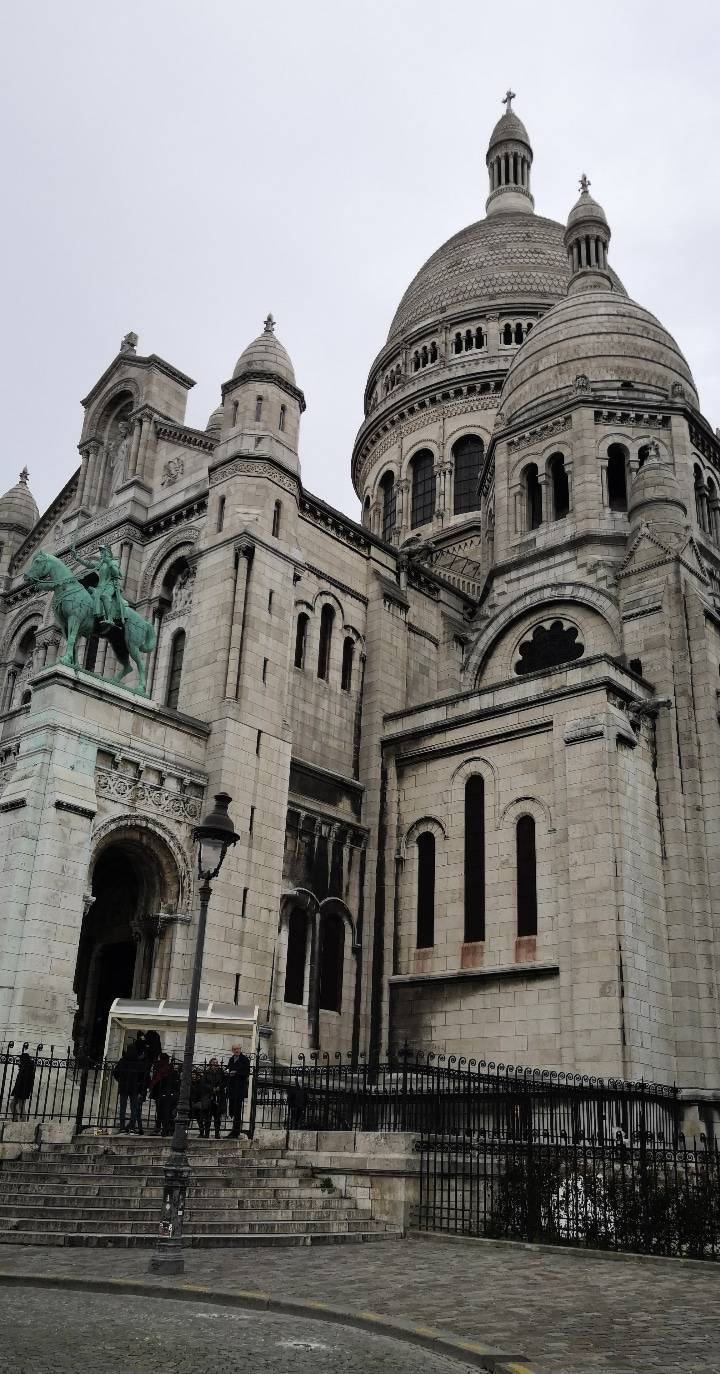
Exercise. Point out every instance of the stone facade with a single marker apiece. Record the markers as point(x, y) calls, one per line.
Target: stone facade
point(471, 740)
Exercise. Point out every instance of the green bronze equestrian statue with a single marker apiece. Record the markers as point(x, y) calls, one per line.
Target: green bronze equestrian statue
point(101, 610)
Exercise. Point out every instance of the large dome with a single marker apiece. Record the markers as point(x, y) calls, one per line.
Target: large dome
point(499, 260)
point(602, 336)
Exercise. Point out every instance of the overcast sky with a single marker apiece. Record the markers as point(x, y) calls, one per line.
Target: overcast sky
point(180, 167)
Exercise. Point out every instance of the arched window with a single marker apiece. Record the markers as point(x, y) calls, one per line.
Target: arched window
point(701, 500)
point(433, 353)
point(387, 492)
point(332, 950)
point(177, 653)
point(258, 407)
point(507, 335)
point(327, 617)
point(458, 344)
point(526, 876)
point(425, 936)
point(518, 333)
point(533, 497)
point(422, 501)
point(277, 514)
point(301, 630)
point(617, 477)
point(712, 509)
point(479, 338)
point(416, 361)
point(347, 664)
point(467, 456)
point(475, 858)
point(296, 956)
point(366, 513)
point(281, 418)
point(643, 455)
point(560, 486)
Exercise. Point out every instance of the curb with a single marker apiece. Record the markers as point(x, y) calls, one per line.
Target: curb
point(576, 1252)
point(442, 1342)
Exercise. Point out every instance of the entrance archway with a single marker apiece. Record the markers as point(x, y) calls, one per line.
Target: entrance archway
point(124, 944)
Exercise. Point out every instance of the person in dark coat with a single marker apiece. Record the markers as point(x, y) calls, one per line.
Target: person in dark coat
point(131, 1074)
point(23, 1085)
point(153, 1047)
point(165, 1090)
point(217, 1088)
point(238, 1080)
point(200, 1102)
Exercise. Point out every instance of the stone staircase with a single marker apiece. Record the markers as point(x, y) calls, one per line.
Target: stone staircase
point(108, 1191)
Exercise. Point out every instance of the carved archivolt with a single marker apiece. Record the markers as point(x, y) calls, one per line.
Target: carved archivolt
point(171, 548)
point(29, 618)
point(249, 467)
point(161, 847)
point(419, 827)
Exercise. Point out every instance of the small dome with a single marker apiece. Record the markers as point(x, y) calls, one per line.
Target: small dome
point(214, 424)
point(586, 208)
point(509, 126)
point(18, 506)
point(603, 337)
point(266, 354)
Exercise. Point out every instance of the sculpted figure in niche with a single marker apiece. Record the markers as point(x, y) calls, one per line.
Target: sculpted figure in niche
point(119, 454)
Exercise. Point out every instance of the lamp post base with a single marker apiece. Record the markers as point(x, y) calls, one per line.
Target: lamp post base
point(167, 1258)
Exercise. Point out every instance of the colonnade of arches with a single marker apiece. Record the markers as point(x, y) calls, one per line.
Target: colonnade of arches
point(414, 500)
point(546, 491)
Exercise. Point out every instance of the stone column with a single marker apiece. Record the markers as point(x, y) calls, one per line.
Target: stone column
point(83, 478)
point(402, 508)
point(145, 444)
point(135, 448)
point(243, 556)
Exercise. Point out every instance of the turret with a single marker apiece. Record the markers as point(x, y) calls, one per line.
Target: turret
point(18, 515)
point(656, 496)
point(586, 240)
point(509, 159)
point(262, 404)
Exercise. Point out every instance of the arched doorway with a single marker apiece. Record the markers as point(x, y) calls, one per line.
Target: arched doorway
point(124, 943)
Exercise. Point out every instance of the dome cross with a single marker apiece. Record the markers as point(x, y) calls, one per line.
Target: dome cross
point(507, 99)
point(584, 184)
point(24, 476)
point(269, 324)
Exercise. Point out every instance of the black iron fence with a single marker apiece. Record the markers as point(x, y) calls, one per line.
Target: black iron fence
point(639, 1194)
point(420, 1094)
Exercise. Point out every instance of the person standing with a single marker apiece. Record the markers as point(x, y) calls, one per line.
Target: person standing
point(216, 1084)
point(238, 1079)
point(23, 1085)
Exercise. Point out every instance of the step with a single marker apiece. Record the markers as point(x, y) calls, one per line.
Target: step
point(203, 1210)
point(124, 1226)
point(232, 1240)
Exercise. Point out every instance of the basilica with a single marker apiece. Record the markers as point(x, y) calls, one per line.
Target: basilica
point(471, 737)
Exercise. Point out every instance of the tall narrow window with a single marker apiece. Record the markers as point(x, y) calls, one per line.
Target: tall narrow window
point(526, 876)
point(347, 664)
point(327, 618)
point(713, 510)
point(296, 956)
point(560, 486)
point(468, 456)
point(425, 938)
point(387, 490)
point(177, 653)
point(507, 334)
point(281, 420)
point(258, 407)
point(475, 858)
point(301, 639)
point(332, 948)
point(533, 497)
point(617, 477)
point(422, 507)
point(235, 412)
point(366, 513)
point(277, 513)
point(221, 514)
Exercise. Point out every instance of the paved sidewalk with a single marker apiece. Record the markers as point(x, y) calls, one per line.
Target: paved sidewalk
point(566, 1313)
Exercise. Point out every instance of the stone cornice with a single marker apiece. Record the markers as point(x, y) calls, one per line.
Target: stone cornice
point(183, 434)
point(134, 361)
point(261, 466)
point(443, 396)
point(260, 375)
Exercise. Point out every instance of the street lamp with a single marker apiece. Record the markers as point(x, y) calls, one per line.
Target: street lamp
point(214, 836)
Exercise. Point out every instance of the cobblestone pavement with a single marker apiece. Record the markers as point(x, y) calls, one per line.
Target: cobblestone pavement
point(46, 1332)
point(567, 1314)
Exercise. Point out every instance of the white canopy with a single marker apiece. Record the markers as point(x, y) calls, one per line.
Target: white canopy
point(214, 1018)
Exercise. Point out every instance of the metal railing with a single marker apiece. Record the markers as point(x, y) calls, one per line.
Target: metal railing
point(640, 1195)
point(420, 1094)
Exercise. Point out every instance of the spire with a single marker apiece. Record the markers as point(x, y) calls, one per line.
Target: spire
point(509, 159)
point(587, 237)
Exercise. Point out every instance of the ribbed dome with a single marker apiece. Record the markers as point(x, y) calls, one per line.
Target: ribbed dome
point(214, 424)
point(18, 507)
point(266, 354)
point(506, 258)
point(586, 208)
point(602, 335)
point(509, 126)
